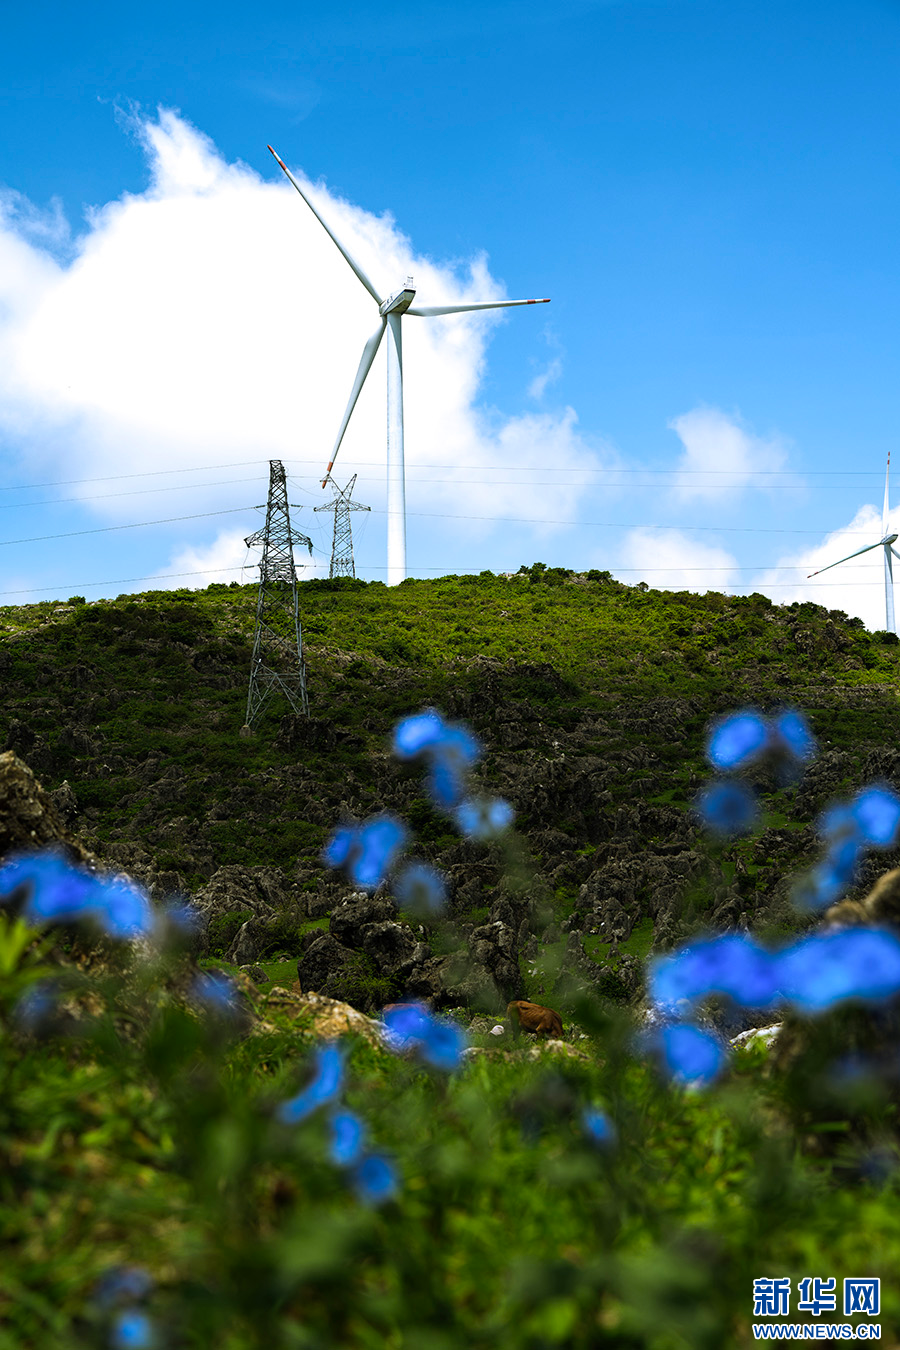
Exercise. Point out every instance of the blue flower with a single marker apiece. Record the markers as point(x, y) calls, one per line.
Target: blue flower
point(420, 889)
point(63, 893)
point(59, 892)
point(328, 1075)
point(828, 968)
point(440, 1042)
point(737, 740)
point(449, 748)
point(347, 1138)
point(367, 851)
point(407, 1024)
point(337, 850)
point(446, 781)
point(794, 735)
point(216, 991)
point(598, 1127)
point(35, 1007)
point(727, 808)
point(122, 1284)
point(731, 965)
point(375, 1179)
point(876, 811)
point(444, 1045)
point(132, 1330)
point(483, 818)
point(691, 1056)
point(416, 734)
point(125, 910)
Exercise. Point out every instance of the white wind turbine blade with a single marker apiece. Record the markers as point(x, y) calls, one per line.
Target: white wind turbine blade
point(365, 365)
point(432, 311)
point(895, 553)
point(352, 261)
point(868, 548)
point(890, 622)
point(884, 513)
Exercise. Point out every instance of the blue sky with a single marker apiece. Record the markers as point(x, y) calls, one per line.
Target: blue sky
point(707, 191)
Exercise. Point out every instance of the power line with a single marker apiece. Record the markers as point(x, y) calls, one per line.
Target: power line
point(117, 477)
point(379, 464)
point(620, 525)
point(136, 492)
point(137, 525)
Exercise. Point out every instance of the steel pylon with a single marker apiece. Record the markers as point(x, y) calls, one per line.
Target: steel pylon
point(342, 543)
point(277, 664)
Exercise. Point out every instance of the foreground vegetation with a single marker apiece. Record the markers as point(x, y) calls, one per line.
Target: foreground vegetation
point(139, 1125)
point(149, 1138)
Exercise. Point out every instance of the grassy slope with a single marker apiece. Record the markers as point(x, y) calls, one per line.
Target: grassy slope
point(137, 702)
point(120, 1153)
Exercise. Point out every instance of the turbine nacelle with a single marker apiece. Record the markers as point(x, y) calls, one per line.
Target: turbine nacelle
point(889, 539)
point(399, 302)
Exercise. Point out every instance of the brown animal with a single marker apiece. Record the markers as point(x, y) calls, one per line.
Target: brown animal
point(524, 1016)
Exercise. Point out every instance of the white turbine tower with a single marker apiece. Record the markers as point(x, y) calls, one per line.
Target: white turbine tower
point(886, 541)
point(390, 310)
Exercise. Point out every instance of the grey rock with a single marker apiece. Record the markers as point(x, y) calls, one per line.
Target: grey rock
point(324, 959)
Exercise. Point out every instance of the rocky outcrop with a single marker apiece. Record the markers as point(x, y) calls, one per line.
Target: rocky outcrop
point(29, 819)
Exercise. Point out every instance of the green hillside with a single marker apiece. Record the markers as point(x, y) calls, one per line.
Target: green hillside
point(152, 1191)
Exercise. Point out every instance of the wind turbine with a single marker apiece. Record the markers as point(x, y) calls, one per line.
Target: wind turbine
point(390, 309)
point(886, 542)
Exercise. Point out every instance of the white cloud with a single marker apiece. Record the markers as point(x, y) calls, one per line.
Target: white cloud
point(856, 587)
point(669, 561)
point(228, 558)
point(210, 319)
point(721, 454)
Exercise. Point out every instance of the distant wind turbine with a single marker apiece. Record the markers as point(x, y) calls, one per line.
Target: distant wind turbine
point(886, 541)
point(390, 310)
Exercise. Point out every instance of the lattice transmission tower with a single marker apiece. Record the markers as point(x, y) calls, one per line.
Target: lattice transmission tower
point(277, 665)
point(342, 543)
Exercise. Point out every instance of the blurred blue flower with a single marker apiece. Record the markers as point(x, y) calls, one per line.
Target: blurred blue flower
point(737, 740)
point(483, 817)
point(829, 967)
point(367, 852)
point(838, 822)
point(214, 989)
point(337, 850)
point(375, 1179)
point(444, 1045)
point(731, 965)
point(122, 1284)
point(36, 1006)
point(125, 911)
point(691, 1056)
point(347, 1138)
point(793, 734)
point(439, 1041)
point(60, 892)
point(446, 782)
point(415, 734)
point(450, 749)
point(183, 916)
point(598, 1127)
point(420, 889)
point(727, 808)
point(328, 1076)
point(876, 811)
point(132, 1330)
point(407, 1023)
